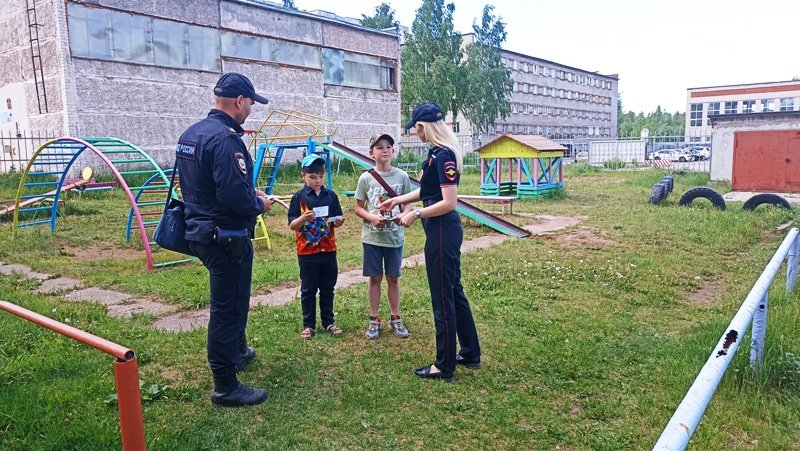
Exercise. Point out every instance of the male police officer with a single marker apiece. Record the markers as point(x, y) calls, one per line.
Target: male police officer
point(216, 177)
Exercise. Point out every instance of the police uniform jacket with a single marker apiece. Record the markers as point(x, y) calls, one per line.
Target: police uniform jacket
point(439, 171)
point(216, 177)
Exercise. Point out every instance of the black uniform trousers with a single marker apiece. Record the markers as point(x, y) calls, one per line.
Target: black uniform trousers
point(318, 272)
point(230, 302)
point(452, 315)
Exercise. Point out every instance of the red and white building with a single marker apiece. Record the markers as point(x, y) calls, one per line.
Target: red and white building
point(780, 96)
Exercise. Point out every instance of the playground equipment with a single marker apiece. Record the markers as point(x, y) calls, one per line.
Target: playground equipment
point(538, 163)
point(462, 207)
point(51, 163)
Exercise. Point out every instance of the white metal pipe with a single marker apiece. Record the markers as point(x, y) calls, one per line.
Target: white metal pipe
point(688, 414)
point(791, 265)
point(758, 333)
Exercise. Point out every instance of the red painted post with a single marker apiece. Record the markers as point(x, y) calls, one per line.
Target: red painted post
point(129, 401)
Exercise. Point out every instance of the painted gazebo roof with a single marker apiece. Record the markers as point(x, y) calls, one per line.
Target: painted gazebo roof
point(516, 146)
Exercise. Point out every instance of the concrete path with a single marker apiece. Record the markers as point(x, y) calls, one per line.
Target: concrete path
point(125, 305)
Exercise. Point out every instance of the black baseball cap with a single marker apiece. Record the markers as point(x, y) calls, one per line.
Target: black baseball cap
point(425, 112)
point(374, 140)
point(232, 85)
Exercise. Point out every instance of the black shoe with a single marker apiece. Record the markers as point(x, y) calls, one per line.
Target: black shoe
point(425, 373)
point(248, 356)
point(471, 364)
point(229, 392)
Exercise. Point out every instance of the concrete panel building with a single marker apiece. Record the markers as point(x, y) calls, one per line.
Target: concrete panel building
point(702, 103)
point(144, 70)
point(554, 100)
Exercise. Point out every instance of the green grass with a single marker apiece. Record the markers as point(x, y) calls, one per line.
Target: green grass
point(586, 346)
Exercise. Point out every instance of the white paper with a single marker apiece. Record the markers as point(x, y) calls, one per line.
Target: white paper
point(334, 218)
point(321, 212)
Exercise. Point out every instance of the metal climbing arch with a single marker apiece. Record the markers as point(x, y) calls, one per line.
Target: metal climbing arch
point(46, 173)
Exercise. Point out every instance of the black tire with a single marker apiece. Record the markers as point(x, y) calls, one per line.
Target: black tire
point(702, 192)
point(667, 180)
point(658, 193)
point(682, 159)
point(768, 199)
point(657, 158)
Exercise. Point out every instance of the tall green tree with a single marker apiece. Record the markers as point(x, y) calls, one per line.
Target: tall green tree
point(383, 18)
point(431, 59)
point(659, 123)
point(489, 84)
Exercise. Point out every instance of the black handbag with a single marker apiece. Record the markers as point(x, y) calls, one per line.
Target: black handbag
point(171, 229)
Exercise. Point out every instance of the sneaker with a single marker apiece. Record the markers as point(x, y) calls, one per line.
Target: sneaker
point(399, 329)
point(374, 329)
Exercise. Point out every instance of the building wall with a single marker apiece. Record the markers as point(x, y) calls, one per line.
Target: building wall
point(723, 137)
point(17, 81)
point(150, 105)
point(704, 97)
point(553, 114)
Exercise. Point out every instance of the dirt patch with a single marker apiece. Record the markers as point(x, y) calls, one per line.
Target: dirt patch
point(705, 295)
point(583, 237)
point(101, 251)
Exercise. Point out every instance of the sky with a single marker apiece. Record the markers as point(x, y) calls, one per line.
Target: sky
point(659, 48)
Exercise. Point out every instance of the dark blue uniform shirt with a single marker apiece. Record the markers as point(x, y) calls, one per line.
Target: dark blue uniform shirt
point(439, 171)
point(216, 177)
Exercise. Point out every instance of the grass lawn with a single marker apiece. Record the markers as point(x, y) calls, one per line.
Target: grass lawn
point(590, 337)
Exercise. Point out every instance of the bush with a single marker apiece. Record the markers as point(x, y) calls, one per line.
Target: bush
point(614, 163)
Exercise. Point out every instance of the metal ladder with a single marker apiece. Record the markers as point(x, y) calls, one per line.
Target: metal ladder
point(36, 56)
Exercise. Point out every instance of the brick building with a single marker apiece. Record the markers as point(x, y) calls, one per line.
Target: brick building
point(144, 71)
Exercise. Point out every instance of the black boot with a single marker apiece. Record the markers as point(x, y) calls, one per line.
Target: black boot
point(248, 354)
point(229, 392)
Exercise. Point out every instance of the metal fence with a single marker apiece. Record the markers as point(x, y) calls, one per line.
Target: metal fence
point(677, 152)
point(753, 311)
point(18, 147)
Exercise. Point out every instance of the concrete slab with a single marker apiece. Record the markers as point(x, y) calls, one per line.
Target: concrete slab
point(24, 270)
point(58, 285)
point(98, 295)
point(183, 321)
point(742, 196)
point(129, 308)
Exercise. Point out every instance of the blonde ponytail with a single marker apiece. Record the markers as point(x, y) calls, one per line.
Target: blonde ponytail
point(441, 135)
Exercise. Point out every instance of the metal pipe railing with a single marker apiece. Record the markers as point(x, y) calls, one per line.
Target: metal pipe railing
point(126, 372)
point(754, 309)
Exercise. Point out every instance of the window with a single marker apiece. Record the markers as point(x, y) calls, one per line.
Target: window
point(116, 36)
point(747, 106)
point(569, 76)
point(514, 108)
point(787, 104)
point(696, 115)
point(767, 105)
point(359, 71)
point(525, 88)
point(515, 64)
point(535, 89)
point(236, 45)
point(456, 127)
point(527, 108)
point(536, 109)
point(731, 107)
point(515, 88)
point(527, 129)
point(504, 128)
point(504, 61)
point(713, 109)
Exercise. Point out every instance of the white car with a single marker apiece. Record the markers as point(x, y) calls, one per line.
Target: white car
point(671, 155)
point(699, 152)
point(582, 156)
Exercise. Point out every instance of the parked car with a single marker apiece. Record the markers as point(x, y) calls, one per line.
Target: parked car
point(583, 155)
point(671, 155)
point(699, 152)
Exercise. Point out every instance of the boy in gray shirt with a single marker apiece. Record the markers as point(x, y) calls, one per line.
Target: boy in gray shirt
point(381, 235)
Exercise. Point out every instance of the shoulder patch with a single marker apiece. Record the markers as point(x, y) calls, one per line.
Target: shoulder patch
point(450, 170)
point(240, 162)
point(185, 150)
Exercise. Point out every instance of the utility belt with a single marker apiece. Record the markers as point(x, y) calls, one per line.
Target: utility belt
point(234, 242)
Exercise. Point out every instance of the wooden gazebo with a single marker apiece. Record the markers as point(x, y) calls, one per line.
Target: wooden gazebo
point(525, 166)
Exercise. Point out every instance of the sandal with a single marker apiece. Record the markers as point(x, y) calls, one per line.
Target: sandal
point(333, 330)
point(307, 333)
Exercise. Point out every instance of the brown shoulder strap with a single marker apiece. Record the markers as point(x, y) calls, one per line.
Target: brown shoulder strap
point(383, 183)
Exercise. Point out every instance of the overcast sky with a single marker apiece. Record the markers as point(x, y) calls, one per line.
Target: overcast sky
point(659, 48)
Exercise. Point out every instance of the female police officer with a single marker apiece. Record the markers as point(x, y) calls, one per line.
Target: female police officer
point(438, 192)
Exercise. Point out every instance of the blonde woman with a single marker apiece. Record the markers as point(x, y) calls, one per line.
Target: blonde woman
point(438, 192)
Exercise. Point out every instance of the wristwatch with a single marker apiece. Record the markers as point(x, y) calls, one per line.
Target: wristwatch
point(418, 213)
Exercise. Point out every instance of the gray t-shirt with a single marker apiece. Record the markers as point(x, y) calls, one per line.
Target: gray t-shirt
point(373, 194)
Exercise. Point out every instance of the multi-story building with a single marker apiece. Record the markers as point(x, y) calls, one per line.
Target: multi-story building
point(144, 71)
point(736, 99)
point(554, 100)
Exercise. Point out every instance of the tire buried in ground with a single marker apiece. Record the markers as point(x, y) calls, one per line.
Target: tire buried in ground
point(766, 199)
point(702, 192)
point(658, 193)
point(669, 182)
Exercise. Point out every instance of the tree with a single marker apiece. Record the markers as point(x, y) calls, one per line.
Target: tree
point(488, 83)
point(431, 69)
point(383, 18)
point(289, 4)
